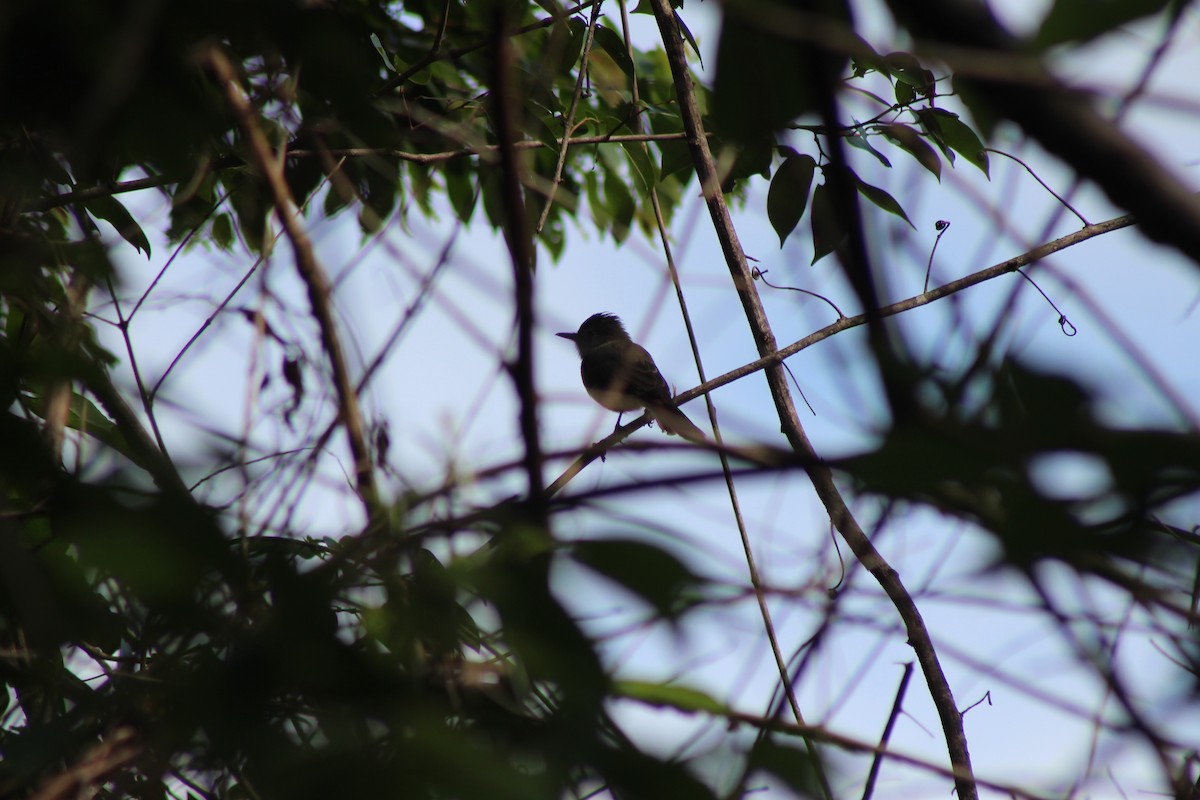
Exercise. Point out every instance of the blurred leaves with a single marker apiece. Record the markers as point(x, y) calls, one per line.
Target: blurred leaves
point(651, 573)
point(1083, 20)
point(981, 466)
point(760, 47)
point(678, 697)
point(84, 416)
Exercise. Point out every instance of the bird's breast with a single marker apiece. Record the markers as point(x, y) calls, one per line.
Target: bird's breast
point(614, 400)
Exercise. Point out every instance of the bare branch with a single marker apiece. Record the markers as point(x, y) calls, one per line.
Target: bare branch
point(109, 188)
point(96, 766)
point(520, 244)
point(310, 272)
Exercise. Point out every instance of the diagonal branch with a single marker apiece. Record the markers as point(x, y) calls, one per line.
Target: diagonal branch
point(820, 475)
point(842, 323)
point(311, 273)
point(786, 684)
point(97, 766)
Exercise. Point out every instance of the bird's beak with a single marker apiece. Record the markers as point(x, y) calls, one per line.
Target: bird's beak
point(570, 336)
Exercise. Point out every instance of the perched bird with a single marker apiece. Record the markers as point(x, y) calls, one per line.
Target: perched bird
point(621, 376)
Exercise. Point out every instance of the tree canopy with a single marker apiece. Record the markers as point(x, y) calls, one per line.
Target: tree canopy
point(279, 598)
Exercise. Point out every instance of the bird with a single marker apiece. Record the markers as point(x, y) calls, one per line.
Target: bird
point(620, 375)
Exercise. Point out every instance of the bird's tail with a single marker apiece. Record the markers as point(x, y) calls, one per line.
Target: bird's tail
point(674, 421)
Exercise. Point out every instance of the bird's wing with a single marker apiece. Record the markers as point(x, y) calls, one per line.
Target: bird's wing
point(641, 376)
point(623, 377)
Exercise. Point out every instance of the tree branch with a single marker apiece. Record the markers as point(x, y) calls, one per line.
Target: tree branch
point(820, 475)
point(310, 272)
point(506, 108)
point(109, 188)
point(95, 768)
point(841, 324)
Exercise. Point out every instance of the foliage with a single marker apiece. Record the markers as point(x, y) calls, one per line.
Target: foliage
point(260, 663)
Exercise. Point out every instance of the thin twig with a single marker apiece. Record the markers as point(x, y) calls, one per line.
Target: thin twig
point(1044, 185)
point(760, 275)
point(861, 746)
point(897, 706)
point(569, 120)
point(109, 188)
point(1063, 120)
point(941, 226)
point(1067, 326)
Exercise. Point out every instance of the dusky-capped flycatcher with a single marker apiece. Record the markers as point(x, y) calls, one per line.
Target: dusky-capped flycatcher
point(620, 375)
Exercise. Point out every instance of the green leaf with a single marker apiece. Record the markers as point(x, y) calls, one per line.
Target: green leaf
point(650, 572)
point(827, 230)
point(640, 165)
point(303, 175)
point(750, 157)
point(86, 417)
point(687, 35)
point(647, 7)
point(565, 40)
point(222, 231)
point(109, 209)
point(882, 199)
point(600, 216)
point(611, 43)
point(492, 191)
point(1084, 20)
point(247, 195)
point(788, 195)
point(952, 133)
point(865, 59)
point(791, 765)
point(420, 185)
point(861, 142)
point(460, 189)
point(963, 140)
point(763, 80)
point(619, 204)
point(662, 694)
point(335, 201)
point(979, 104)
point(553, 237)
point(387, 58)
point(14, 324)
point(676, 155)
point(907, 70)
point(908, 139)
